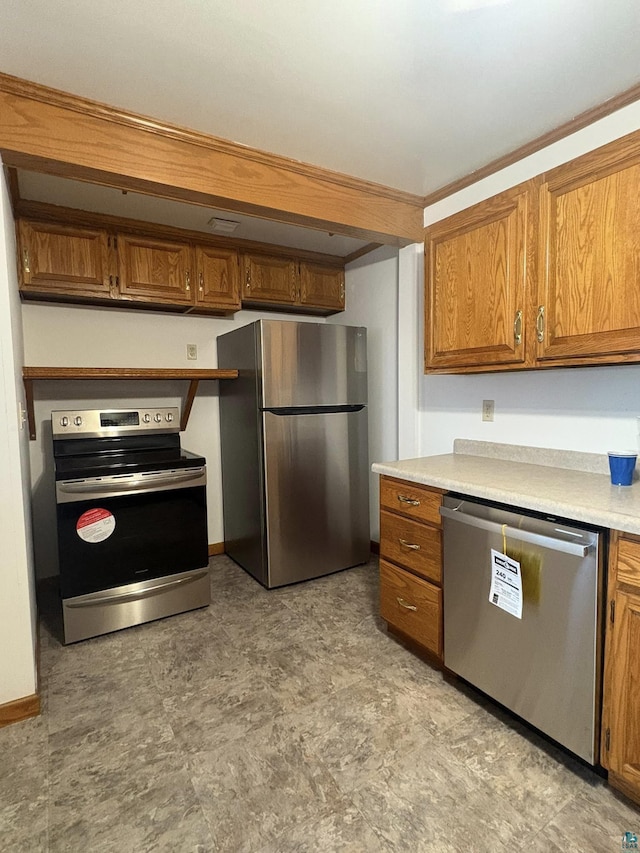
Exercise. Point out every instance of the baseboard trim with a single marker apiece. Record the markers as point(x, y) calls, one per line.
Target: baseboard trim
point(19, 709)
point(375, 547)
point(216, 548)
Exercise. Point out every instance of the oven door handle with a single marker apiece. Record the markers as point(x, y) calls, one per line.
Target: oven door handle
point(93, 599)
point(516, 533)
point(138, 482)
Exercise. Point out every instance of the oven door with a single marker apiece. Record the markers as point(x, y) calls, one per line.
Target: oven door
point(118, 530)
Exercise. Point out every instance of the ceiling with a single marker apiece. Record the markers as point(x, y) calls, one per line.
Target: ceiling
point(412, 94)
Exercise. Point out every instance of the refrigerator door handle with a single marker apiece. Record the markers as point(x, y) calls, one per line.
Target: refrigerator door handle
point(287, 411)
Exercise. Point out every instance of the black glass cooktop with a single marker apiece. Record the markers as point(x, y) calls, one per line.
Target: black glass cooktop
point(106, 457)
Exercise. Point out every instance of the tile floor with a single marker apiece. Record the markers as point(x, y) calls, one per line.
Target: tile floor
point(282, 721)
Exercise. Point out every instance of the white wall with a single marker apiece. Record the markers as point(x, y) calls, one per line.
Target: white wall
point(17, 596)
point(590, 409)
point(372, 301)
point(75, 336)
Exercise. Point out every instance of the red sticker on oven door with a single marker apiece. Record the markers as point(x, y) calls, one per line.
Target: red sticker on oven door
point(95, 525)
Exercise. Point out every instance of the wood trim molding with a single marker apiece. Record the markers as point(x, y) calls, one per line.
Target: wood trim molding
point(216, 548)
point(19, 709)
point(629, 96)
point(47, 130)
point(14, 188)
point(42, 211)
point(359, 253)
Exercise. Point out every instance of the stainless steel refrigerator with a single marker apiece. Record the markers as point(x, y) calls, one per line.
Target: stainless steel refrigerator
point(295, 468)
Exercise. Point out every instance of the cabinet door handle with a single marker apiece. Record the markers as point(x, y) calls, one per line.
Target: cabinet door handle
point(517, 328)
point(409, 545)
point(540, 324)
point(25, 258)
point(187, 282)
point(248, 279)
point(201, 282)
point(405, 604)
point(411, 501)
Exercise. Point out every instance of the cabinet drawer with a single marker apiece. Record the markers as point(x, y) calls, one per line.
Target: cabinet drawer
point(411, 605)
point(411, 544)
point(410, 499)
point(628, 562)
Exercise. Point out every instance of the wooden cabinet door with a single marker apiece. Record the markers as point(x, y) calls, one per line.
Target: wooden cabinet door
point(590, 217)
point(153, 270)
point(218, 279)
point(269, 280)
point(64, 259)
point(321, 286)
point(476, 266)
point(622, 697)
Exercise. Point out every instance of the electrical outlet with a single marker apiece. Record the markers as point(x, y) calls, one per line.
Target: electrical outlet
point(487, 410)
point(192, 352)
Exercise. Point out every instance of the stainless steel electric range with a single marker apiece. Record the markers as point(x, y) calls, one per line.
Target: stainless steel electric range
point(131, 518)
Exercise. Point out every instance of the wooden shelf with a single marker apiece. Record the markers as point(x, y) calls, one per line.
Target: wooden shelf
point(193, 377)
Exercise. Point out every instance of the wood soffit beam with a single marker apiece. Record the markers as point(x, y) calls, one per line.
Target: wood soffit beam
point(629, 96)
point(46, 130)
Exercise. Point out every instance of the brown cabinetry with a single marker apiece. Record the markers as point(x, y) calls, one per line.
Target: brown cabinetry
point(281, 282)
point(217, 277)
point(621, 715)
point(411, 562)
point(321, 287)
point(144, 265)
point(590, 219)
point(156, 271)
point(477, 265)
point(543, 275)
point(114, 266)
point(68, 260)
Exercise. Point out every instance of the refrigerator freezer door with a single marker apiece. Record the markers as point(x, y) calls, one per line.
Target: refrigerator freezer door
point(317, 486)
point(312, 364)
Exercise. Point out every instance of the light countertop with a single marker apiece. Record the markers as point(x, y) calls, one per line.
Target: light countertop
point(564, 483)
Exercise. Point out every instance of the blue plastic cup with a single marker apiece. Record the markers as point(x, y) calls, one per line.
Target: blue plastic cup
point(621, 465)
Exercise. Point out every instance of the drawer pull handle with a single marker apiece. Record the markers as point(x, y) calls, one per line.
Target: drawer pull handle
point(405, 604)
point(406, 500)
point(409, 545)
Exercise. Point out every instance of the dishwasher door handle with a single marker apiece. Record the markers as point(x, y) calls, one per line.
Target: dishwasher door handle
point(516, 533)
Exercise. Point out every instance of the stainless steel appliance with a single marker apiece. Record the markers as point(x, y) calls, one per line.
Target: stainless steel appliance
point(131, 517)
point(295, 470)
point(545, 665)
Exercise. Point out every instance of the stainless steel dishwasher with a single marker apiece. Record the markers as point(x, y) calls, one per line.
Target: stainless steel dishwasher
point(544, 662)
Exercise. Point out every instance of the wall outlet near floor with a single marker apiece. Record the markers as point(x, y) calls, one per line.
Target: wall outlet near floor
point(487, 410)
point(192, 352)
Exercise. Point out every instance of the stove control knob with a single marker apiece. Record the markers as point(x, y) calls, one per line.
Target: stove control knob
point(146, 418)
point(64, 421)
point(169, 417)
point(77, 420)
point(157, 417)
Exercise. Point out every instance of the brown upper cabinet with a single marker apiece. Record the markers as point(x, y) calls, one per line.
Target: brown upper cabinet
point(155, 270)
point(67, 259)
point(543, 275)
point(321, 286)
point(140, 265)
point(303, 286)
point(477, 265)
point(590, 233)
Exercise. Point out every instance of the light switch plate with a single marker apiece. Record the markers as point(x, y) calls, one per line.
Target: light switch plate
point(192, 352)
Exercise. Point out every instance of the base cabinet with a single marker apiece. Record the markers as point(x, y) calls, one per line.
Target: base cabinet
point(411, 563)
point(621, 707)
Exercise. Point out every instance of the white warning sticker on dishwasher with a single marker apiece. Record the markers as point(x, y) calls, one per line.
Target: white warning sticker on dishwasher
point(95, 525)
point(506, 584)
